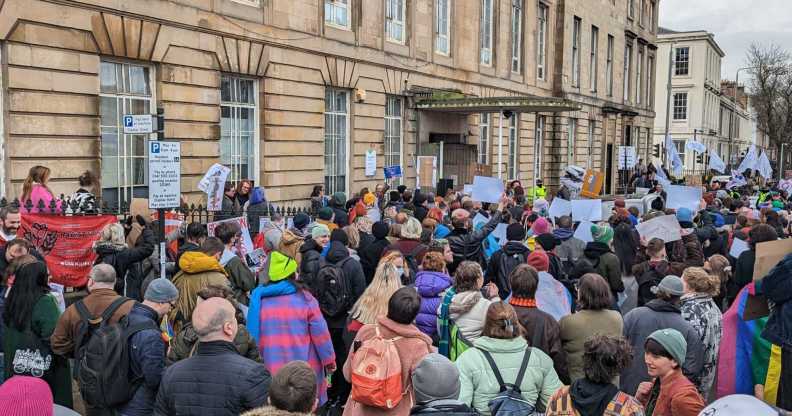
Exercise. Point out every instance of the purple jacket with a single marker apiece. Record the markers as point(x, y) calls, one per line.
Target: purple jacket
point(430, 285)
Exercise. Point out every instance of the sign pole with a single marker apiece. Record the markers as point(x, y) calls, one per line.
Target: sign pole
point(162, 241)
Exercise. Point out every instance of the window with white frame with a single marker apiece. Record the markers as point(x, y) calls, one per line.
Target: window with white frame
point(571, 135)
point(680, 105)
point(627, 68)
point(592, 124)
point(541, 39)
point(484, 138)
point(336, 140)
point(393, 134)
point(486, 32)
point(682, 61)
point(640, 13)
point(538, 143)
point(512, 167)
point(337, 13)
point(609, 67)
point(238, 127)
point(395, 20)
point(517, 35)
point(576, 51)
point(680, 148)
point(593, 61)
point(442, 26)
point(631, 9)
point(124, 89)
point(639, 76)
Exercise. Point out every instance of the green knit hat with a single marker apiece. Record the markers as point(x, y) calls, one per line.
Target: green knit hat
point(602, 233)
point(280, 266)
point(672, 341)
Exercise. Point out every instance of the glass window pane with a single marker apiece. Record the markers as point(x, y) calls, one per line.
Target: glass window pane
point(109, 170)
point(108, 111)
point(138, 80)
point(107, 78)
point(225, 89)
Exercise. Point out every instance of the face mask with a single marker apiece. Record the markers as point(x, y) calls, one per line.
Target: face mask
point(400, 271)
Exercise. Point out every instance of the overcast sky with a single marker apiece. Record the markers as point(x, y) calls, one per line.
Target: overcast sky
point(735, 23)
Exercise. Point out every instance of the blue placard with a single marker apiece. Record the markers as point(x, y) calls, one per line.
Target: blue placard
point(393, 172)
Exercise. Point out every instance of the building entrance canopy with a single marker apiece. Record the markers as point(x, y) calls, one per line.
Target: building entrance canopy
point(515, 104)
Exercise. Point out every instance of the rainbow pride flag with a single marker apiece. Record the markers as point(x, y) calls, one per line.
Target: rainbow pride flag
point(745, 358)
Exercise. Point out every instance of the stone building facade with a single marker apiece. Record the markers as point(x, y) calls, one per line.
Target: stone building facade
point(293, 93)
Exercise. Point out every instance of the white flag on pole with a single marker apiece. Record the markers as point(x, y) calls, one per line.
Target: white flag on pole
point(764, 167)
point(660, 175)
point(751, 160)
point(716, 163)
point(695, 146)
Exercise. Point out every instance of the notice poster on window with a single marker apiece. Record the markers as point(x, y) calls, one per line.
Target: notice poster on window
point(371, 162)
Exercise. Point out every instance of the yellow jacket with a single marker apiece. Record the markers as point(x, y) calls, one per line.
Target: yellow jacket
point(197, 272)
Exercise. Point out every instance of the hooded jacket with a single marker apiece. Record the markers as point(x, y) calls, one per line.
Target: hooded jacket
point(272, 411)
point(466, 245)
point(430, 286)
point(495, 272)
point(412, 346)
point(606, 264)
point(184, 344)
point(585, 399)
point(468, 311)
point(197, 272)
point(478, 382)
point(353, 272)
point(777, 287)
point(240, 276)
point(570, 249)
point(640, 322)
point(290, 243)
point(649, 274)
point(146, 360)
point(543, 331)
point(338, 204)
point(685, 253)
point(310, 253)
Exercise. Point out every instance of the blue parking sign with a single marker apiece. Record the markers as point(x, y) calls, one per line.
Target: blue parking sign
point(128, 121)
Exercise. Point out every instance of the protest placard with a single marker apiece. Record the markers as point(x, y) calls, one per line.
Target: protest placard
point(592, 184)
point(212, 185)
point(683, 197)
point(500, 233)
point(479, 219)
point(737, 248)
point(245, 244)
point(487, 189)
point(559, 208)
point(768, 254)
point(665, 228)
point(66, 243)
point(583, 232)
point(586, 210)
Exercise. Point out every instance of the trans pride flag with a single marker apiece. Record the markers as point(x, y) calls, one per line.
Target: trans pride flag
point(747, 359)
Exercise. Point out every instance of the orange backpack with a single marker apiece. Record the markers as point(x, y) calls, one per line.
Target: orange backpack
point(377, 373)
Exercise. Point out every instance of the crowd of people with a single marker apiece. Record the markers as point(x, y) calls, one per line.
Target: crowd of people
point(401, 302)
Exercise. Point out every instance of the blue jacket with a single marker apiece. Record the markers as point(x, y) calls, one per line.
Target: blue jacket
point(777, 287)
point(147, 360)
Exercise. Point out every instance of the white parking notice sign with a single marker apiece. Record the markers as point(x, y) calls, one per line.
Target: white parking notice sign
point(138, 124)
point(164, 174)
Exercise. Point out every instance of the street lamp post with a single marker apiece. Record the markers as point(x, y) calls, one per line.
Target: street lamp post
point(736, 97)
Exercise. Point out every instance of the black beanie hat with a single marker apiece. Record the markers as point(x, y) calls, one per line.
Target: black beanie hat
point(515, 232)
point(394, 196)
point(301, 220)
point(547, 241)
point(380, 230)
point(401, 188)
point(340, 236)
point(419, 198)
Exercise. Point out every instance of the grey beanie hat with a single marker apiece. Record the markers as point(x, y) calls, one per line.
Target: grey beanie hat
point(435, 378)
point(161, 291)
point(671, 285)
point(672, 341)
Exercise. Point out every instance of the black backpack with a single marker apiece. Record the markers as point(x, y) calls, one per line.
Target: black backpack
point(506, 265)
point(509, 401)
point(104, 372)
point(331, 288)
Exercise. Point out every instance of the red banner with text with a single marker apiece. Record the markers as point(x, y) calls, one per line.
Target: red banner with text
point(66, 242)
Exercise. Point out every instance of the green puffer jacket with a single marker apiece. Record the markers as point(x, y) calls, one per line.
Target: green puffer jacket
point(183, 344)
point(479, 384)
